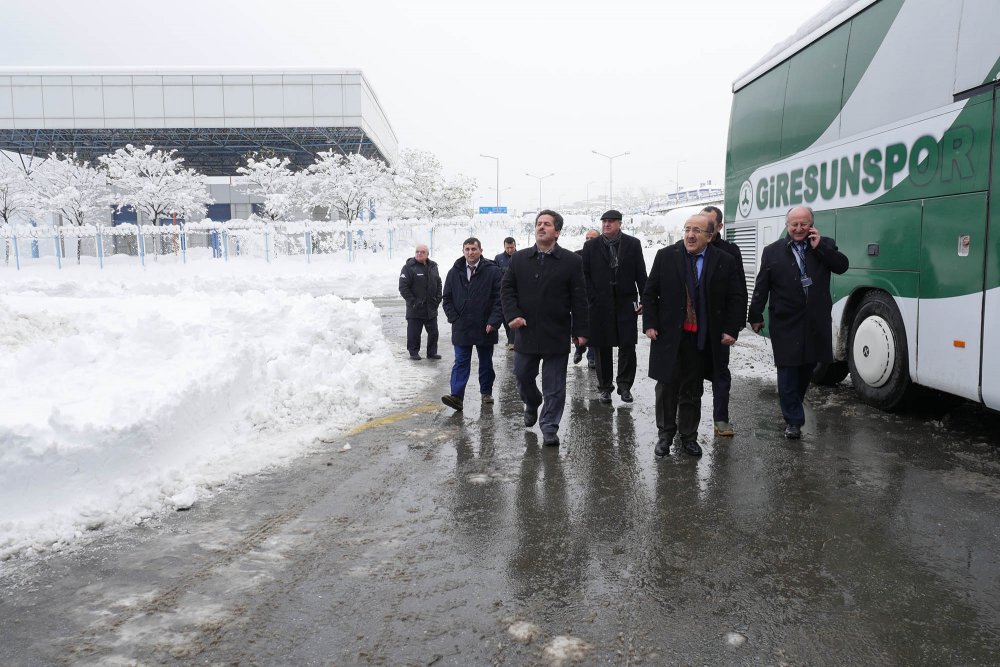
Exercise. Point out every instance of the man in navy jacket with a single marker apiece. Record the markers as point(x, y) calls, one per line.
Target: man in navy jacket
point(472, 304)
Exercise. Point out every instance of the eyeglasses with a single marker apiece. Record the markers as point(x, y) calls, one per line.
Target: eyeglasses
point(694, 230)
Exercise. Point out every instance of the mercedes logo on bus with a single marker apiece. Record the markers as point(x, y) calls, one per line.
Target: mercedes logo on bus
point(746, 199)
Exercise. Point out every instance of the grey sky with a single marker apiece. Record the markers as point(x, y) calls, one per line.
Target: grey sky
point(538, 84)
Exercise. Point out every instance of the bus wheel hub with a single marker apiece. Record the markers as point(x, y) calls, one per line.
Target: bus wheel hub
point(874, 351)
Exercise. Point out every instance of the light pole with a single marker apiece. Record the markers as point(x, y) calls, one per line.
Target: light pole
point(677, 176)
point(611, 159)
point(509, 187)
point(540, 179)
point(498, 175)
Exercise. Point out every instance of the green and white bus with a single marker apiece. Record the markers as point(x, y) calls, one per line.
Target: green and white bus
point(884, 117)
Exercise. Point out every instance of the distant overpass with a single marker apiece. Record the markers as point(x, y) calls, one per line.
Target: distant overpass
point(696, 197)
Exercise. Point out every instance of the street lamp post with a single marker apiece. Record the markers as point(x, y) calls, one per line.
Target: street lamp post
point(498, 174)
point(509, 187)
point(677, 176)
point(611, 159)
point(540, 179)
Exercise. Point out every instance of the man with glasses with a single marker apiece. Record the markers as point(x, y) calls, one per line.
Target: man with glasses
point(794, 283)
point(722, 382)
point(693, 307)
point(616, 275)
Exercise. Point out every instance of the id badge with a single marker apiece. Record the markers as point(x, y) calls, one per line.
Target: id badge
point(806, 281)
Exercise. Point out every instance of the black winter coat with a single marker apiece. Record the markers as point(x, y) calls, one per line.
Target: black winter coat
point(420, 287)
point(665, 299)
point(800, 326)
point(549, 295)
point(472, 304)
point(734, 250)
point(611, 295)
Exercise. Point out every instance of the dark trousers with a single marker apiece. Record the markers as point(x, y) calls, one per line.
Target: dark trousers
point(415, 327)
point(720, 389)
point(552, 397)
point(678, 402)
point(463, 368)
point(605, 367)
point(793, 381)
point(589, 350)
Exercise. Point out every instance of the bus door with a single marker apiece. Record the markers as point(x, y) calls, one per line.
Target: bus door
point(990, 372)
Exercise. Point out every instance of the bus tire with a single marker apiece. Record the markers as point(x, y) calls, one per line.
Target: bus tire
point(877, 353)
point(830, 374)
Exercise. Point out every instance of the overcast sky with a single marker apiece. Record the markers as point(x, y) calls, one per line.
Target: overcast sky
point(539, 84)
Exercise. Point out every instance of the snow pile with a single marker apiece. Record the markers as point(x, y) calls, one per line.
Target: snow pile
point(120, 400)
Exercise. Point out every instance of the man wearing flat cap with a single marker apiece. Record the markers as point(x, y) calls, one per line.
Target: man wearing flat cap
point(615, 273)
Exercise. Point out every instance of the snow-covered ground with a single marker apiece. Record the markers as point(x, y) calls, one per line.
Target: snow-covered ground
point(126, 391)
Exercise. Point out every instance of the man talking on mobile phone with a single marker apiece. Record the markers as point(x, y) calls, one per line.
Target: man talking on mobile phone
point(794, 283)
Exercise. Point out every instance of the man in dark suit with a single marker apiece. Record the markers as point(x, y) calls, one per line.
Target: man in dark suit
point(794, 282)
point(693, 307)
point(722, 381)
point(545, 303)
point(502, 260)
point(616, 275)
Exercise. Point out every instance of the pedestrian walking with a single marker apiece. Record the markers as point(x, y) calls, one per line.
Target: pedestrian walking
point(723, 380)
point(692, 308)
point(503, 261)
point(545, 303)
point(420, 287)
point(472, 305)
point(586, 349)
point(794, 283)
point(615, 273)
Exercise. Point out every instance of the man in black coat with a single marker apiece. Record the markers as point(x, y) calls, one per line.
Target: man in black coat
point(420, 287)
point(586, 349)
point(545, 303)
point(615, 271)
point(503, 261)
point(472, 305)
point(794, 282)
point(693, 307)
point(722, 382)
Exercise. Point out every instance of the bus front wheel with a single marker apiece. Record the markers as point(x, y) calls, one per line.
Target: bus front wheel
point(877, 353)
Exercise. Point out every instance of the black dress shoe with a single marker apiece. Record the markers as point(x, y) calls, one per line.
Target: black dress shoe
point(453, 402)
point(691, 447)
point(605, 397)
point(433, 356)
point(591, 363)
point(415, 356)
point(577, 356)
point(550, 439)
point(626, 395)
point(793, 431)
point(530, 416)
point(662, 447)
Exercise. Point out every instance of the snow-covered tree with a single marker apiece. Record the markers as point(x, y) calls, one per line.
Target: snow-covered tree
point(72, 188)
point(16, 191)
point(270, 178)
point(154, 182)
point(420, 186)
point(346, 184)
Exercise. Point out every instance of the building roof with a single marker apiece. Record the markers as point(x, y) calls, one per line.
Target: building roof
point(212, 117)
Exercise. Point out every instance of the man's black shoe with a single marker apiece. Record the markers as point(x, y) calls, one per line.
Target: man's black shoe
point(577, 356)
point(662, 447)
point(591, 363)
point(626, 395)
point(691, 447)
point(433, 356)
point(453, 402)
point(793, 431)
point(605, 397)
point(414, 356)
point(530, 416)
point(550, 439)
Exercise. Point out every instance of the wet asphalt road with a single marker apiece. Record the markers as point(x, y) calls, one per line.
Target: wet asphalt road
point(445, 538)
